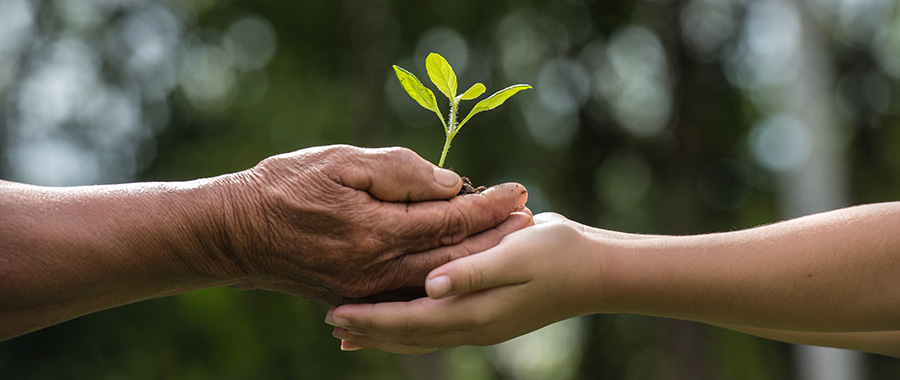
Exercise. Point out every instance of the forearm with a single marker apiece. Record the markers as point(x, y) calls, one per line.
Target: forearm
point(66, 252)
point(834, 272)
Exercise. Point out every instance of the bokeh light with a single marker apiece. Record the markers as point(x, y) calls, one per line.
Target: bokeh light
point(650, 116)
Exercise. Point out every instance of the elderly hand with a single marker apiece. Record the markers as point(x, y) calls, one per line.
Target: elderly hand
point(333, 224)
point(338, 223)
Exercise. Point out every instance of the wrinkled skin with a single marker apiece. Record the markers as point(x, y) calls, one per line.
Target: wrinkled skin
point(334, 224)
point(340, 223)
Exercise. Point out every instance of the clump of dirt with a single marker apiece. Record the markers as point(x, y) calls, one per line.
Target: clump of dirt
point(396, 295)
point(469, 188)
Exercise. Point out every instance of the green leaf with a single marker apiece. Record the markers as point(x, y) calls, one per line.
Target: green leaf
point(441, 74)
point(473, 92)
point(494, 101)
point(417, 90)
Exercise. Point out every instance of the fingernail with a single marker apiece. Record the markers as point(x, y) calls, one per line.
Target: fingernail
point(525, 220)
point(349, 345)
point(330, 319)
point(438, 287)
point(522, 199)
point(445, 177)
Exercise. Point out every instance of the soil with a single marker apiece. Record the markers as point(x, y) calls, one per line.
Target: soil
point(469, 188)
point(396, 295)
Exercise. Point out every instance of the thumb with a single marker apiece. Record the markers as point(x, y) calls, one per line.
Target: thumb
point(399, 175)
point(484, 270)
point(413, 268)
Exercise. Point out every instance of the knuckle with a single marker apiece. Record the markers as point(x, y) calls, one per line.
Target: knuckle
point(563, 230)
point(474, 276)
point(270, 164)
point(549, 217)
point(363, 325)
point(410, 326)
point(350, 173)
point(341, 149)
point(399, 152)
point(406, 155)
point(400, 158)
point(338, 158)
point(448, 254)
point(456, 227)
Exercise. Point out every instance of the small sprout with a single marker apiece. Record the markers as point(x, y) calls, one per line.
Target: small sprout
point(444, 79)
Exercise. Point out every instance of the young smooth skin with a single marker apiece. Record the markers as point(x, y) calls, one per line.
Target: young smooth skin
point(829, 279)
point(331, 224)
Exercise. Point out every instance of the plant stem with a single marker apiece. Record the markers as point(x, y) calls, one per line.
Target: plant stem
point(451, 131)
point(453, 106)
point(446, 149)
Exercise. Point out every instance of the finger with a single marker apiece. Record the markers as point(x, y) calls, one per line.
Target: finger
point(491, 268)
point(549, 217)
point(351, 342)
point(427, 225)
point(473, 318)
point(389, 319)
point(416, 266)
point(398, 175)
point(417, 227)
point(349, 345)
point(528, 211)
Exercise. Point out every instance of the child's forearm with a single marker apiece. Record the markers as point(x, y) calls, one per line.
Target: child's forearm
point(835, 271)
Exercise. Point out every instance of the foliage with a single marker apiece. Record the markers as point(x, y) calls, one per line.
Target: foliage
point(442, 75)
point(646, 116)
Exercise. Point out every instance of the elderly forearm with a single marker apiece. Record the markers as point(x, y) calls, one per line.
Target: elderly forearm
point(66, 252)
point(834, 271)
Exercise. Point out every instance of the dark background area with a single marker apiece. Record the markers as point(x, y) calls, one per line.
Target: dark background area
point(664, 116)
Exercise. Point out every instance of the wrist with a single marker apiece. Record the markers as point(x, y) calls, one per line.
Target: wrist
point(178, 232)
point(214, 216)
point(614, 277)
point(661, 276)
point(585, 277)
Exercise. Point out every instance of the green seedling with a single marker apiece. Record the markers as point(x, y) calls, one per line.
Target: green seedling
point(444, 79)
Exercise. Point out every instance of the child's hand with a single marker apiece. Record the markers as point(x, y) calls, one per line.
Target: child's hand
point(536, 276)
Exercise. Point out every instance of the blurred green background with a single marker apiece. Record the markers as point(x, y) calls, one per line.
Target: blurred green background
point(655, 116)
